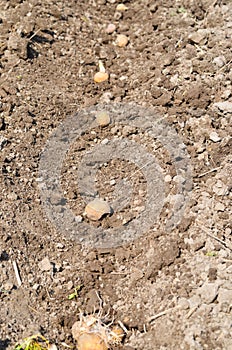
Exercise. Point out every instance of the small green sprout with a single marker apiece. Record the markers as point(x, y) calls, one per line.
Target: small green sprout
point(4, 291)
point(211, 254)
point(35, 342)
point(181, 10)
point(75, 293)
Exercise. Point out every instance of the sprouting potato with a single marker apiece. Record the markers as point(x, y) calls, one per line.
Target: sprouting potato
point(92, 334)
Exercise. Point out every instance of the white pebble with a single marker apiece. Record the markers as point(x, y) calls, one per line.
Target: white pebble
point(110, 28)
point(220, 61)
point(105, 141)
point(168, 178)
point(78, 218)
point(45, 264)
point(219, 207)
point(214, 136)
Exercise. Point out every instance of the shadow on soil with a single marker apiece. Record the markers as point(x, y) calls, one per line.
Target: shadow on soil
point(4, 344)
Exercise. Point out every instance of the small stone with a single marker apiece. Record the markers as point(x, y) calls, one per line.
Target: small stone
point(112, 182)
point(225, 296)
point(168, 178)
point(60, 245)
point(110, 28)
point(179, 179)
point(58, 267)
point(219, 207)
point(45, 264)
point(220, 188)
point(121, 7)
point(199, 36)
point(70, 285)
point(103, 118)
point(96, 209)
point(12, 196)
point(226, 94)
point(100, 77)
point(225, 106)
point(8, 286)
point(78, 219)
point(105, 141)
point(198, 243)
point(220, 61)
point(106, 97)
point(121, 40)
point(3, 142)
point(208, 292)
point(36, 286)
point(183, 303)
point(214, 136)
point(201, 156)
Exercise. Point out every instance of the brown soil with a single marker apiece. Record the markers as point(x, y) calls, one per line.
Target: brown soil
point(179, 61)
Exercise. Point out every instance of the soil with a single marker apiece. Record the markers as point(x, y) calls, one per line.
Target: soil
point(170, 290)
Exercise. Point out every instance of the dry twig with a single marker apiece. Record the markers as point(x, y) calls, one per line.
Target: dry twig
point(225, 244)
point(17, 273)
point(209, 171)
point(152, 318)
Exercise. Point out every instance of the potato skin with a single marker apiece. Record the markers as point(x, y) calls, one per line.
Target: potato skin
point(99, 77)
point(91, 341)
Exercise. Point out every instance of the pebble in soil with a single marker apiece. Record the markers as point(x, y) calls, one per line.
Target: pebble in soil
point(110, 28)
point(121, 40)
